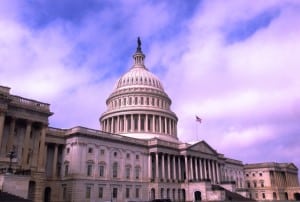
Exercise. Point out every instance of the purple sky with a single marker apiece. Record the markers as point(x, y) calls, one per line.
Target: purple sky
point(235, 64)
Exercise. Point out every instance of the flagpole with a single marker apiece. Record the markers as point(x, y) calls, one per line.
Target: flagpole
point(197, 132)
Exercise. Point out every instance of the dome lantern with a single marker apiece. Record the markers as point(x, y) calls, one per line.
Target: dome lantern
point(139, 56)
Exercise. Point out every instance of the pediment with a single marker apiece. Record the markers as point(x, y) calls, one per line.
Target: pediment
point(203, 147)
point(292, 166)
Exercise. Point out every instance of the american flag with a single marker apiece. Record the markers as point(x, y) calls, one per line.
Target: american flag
point(198, 119)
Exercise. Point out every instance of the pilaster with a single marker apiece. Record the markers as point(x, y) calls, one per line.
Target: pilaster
point(42, 153)
point(26, 144)
point(54, 161)
point(2, 120)
point(11, 133)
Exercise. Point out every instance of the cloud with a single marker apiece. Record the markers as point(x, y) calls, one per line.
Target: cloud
point(235, 65)
point(246, 91)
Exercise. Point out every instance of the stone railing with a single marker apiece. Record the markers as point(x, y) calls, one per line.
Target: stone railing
point(29, 103)
point(89, 131)
point(56, 131)
point(162, 142)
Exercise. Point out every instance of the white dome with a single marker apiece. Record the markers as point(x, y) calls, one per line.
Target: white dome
point(138, 77)
point(138, 106)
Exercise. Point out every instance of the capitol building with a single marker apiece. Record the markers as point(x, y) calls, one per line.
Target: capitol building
point(135, 156)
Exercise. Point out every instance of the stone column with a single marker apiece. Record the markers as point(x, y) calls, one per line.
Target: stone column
point(201, 168)
point(174, 168)
point(160, 125)
point(150, 166)
point(191, 169)
point(11, 134)
point(205, 170)
point(209, 169)
point(112, 125)
point(163, 166)
point(132, 123)
point(166, 130)
point(186, 168)
point(42, 152)
point(54, 165)
point(170, 126)
point(118, 125)
point(2, 120)
point(26, 144)
point(179, 169)
point(139, 122)
point(146, 122)
point(156, 167)
point(218, 173)
point(213, 171)
point(197, 169)
point(169, 167)
point(125, 124)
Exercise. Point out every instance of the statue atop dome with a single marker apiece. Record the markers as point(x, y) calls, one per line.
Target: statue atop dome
point(139, 49)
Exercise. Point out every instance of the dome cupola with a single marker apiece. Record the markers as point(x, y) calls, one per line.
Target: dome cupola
point(138, 106)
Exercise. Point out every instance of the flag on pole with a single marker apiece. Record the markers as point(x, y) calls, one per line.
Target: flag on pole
point(198, 119)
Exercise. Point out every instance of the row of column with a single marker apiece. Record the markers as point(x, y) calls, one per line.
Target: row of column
point(139, 123)
point(55, 169)
point(165, 167)
point(38, 157)
point(283, 179)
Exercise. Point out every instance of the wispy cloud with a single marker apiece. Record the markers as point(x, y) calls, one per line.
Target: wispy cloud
point(236, 65)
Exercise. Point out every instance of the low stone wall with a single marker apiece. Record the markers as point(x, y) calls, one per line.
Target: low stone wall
point(15, 184)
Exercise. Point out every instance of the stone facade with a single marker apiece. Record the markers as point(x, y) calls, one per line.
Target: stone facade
point(272, 181)
point(136, 156)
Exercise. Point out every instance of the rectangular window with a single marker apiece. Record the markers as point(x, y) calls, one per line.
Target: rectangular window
point(127, 192)
point(89, 170)
point(90, 150)
point(102, 151)
point(115, 170)
point(101, 171)
point(88, 192)
point(137, 173)
point(137, 193)
point(100, 192)
point(263, 195)
point(115, 192)
point(127, 172)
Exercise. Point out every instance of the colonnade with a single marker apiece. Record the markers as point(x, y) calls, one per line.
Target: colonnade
point(140, 123)
point(170, 168)
point(283, 179)
point(28, 157)
point(55, 167)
